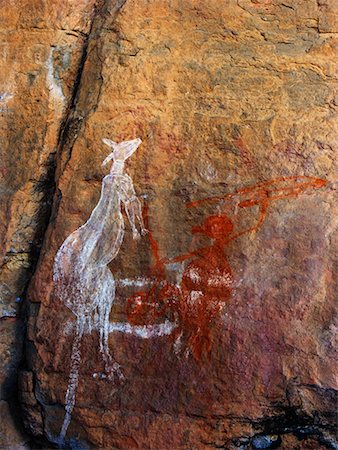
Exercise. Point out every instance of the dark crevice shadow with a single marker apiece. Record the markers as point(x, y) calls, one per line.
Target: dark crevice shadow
point(70, 126)
point(11, 384)
point(46, 187)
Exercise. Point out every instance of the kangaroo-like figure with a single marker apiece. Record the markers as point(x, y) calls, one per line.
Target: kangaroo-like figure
point(83, 282)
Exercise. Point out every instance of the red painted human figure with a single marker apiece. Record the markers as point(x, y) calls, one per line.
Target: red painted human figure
point(207, 280)
point(206, 285)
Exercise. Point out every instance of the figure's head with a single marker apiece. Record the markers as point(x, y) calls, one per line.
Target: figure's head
point(215, 227)
point(121, 151)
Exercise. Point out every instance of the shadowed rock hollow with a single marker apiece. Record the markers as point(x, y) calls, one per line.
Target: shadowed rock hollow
point(223, 315)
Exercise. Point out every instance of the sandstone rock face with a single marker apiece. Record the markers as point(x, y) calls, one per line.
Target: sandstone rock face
point(40, 53)
point(223, 316)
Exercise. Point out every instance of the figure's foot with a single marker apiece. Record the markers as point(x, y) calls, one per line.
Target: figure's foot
point(114, 372)
point(136, 235)
point(144, 231)
point(112, 368)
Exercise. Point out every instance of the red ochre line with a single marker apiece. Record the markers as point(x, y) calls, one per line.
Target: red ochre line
point(295, 190)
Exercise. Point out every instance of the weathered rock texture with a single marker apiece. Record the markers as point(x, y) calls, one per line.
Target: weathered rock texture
point(224, 95)
point(40, 54)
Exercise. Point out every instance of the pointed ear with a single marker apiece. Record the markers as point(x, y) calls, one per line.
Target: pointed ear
point(108, 142)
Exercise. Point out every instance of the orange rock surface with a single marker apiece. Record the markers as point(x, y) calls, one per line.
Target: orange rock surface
point(226, 96)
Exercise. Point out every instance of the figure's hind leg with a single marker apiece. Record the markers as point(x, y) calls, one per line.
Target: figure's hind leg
point(111, 367)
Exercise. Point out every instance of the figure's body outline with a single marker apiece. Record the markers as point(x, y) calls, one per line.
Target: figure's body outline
point(82, 279)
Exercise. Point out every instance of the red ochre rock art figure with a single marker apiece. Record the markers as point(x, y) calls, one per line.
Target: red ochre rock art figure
point(207, 283)
point(147, 307)
point(82, 279)
point(207, 280)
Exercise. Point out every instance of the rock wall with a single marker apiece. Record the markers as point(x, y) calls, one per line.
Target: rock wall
point(234, 102)
point(40, 52)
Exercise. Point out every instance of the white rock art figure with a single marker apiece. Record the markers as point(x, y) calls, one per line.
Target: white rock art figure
point(82, 280)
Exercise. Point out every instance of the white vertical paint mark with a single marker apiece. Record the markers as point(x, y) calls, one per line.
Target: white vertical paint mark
point(194, 296)
point(55, 89)
point(178, 344)
point(5, 96)
point(56, 106)
point(194, 275)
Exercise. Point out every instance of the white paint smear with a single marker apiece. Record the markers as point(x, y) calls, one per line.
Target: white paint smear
point(224, 280)
point(53, 85)
point(134, 282)
point(143, 331)
point(194, 275)
point(4, 98)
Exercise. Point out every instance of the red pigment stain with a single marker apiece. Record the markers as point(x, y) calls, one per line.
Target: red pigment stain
point(245, 152)
point(3, 171)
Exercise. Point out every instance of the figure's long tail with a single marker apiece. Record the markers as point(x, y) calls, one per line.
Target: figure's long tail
point(73, 379)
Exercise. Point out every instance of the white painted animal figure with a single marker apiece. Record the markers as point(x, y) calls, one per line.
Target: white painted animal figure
point(82, 280)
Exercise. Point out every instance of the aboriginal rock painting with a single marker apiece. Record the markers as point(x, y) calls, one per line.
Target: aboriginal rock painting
point(207, 280)
point(185, 311)
point(83, 282)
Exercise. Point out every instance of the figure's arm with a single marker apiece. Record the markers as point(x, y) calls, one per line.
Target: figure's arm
point(263, 207)
point(132, 207)
point(138, 214)
point(185, 256)
point(272, 190)
point(134, 212)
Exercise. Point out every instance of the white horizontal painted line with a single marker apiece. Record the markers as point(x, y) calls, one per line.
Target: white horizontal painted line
point(141, 331)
